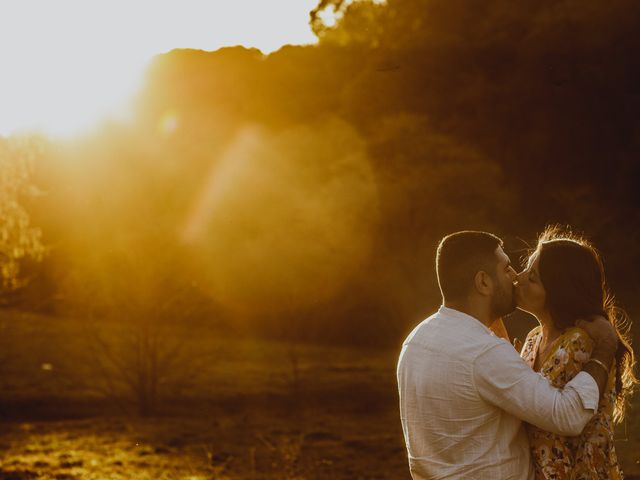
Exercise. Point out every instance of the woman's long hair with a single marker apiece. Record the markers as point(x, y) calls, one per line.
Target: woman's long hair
point(572, 274)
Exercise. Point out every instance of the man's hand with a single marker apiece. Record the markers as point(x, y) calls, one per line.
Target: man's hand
point(600, 330)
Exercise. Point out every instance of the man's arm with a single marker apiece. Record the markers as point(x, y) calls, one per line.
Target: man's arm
point(506, 381)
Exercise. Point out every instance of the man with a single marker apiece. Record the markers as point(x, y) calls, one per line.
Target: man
point(464, 392)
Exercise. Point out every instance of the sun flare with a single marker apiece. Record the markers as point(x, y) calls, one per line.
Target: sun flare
point(69, 64)
point(65, 94)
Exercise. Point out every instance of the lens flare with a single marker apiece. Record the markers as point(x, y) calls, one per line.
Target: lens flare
point(284, 219)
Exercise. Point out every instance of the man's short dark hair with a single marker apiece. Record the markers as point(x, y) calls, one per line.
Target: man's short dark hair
point(460, 256)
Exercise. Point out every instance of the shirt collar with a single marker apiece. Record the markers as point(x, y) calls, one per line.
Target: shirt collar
point(464, 318)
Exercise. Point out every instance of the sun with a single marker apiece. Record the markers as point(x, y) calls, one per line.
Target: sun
point(67, 93)
point(67, 65)
point(62, 73)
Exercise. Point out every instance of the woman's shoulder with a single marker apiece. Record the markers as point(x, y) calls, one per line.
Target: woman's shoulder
point(576, 333)
point(577, 338)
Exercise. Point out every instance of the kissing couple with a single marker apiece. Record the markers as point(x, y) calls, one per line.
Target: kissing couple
point(473, 407)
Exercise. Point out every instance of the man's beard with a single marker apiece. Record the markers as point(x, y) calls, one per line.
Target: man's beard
point(503, 302)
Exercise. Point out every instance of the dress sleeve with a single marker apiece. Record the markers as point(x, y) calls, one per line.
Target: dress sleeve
point(579, 346)
point(529, 342)
point(568, 358)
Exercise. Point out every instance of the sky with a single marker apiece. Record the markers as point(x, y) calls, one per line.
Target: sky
point(67, 64)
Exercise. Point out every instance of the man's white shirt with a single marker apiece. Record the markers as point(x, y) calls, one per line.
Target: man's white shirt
point(463, 395)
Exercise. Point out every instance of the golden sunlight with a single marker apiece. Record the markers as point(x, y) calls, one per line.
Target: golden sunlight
point(284, 219)
point(69, 64)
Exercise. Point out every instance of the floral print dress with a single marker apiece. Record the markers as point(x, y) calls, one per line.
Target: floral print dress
point(590, 455)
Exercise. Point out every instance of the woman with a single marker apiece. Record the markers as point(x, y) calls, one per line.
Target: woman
point(562, 283)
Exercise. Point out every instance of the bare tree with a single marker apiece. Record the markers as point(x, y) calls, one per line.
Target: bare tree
point(138, 316)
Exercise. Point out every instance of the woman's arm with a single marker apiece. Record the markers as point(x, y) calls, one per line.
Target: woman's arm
point(605, 340)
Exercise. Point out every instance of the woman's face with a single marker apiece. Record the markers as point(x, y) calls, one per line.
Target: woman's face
point(530, 293)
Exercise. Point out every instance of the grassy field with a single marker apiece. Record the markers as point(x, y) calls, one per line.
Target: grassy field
point(229, 408)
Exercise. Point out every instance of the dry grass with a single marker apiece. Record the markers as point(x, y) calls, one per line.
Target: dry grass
point(250, 412)
point(234, 447)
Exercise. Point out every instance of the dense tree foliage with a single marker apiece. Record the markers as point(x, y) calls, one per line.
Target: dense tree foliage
point(309, 187)
point(20, 241)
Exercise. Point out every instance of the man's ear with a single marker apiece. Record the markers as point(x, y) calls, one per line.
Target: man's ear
point(483, 283)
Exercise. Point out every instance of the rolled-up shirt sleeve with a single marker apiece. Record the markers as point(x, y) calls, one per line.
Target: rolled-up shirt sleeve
point(503, 379)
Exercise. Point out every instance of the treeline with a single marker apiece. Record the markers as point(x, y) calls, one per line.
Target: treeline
point(303, 193)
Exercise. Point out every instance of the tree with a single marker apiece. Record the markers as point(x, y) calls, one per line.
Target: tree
point(141, 321)
point(19, 240)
